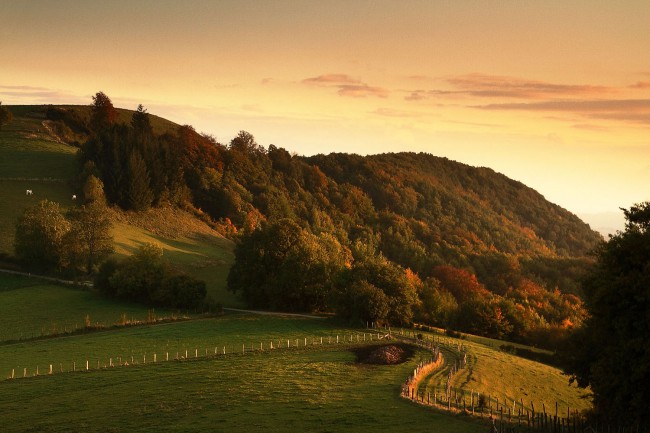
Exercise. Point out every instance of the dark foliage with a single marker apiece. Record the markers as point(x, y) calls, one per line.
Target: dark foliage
point(146, 278)
point(611, 352)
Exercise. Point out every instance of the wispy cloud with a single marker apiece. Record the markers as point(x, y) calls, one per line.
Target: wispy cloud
point(347, 86)
point(482, 85)
point(630, 110)
point(495, 86)
point(331, 79)
point(391, 112)
point(36, 95)
point(362, 90)
point(641, 85)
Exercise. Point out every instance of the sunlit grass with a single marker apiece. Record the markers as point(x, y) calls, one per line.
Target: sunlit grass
point(30, 308)
point(278, 391)
point(505, 378)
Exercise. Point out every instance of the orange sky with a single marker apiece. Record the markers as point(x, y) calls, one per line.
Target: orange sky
point(555, 94)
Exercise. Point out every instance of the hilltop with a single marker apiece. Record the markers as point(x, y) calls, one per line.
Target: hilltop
point(464, 226)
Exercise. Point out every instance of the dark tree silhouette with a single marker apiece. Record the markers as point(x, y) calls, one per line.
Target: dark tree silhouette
point(611, 352)
point(103, 113)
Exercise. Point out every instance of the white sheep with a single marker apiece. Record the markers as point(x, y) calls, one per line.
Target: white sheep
point(28, 192)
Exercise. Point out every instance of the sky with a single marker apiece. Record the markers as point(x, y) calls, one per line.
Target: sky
point(555, 94)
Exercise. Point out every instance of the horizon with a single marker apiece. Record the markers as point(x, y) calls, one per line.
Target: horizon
point(555, 96)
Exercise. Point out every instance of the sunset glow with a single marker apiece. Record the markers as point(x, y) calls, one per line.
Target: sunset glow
point(553, 94)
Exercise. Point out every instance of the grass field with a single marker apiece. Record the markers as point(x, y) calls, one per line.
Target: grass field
point(279, 391)
point(505, 377)
point(202, 254)
point(31, 308)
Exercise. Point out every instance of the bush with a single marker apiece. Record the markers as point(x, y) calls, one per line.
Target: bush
point(144, 277)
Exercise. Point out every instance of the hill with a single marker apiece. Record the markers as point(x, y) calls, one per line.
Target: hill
point(467, 235)
point(40, 151)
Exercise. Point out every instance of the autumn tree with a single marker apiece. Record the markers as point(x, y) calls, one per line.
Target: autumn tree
point(610, 353)
point(103, 114)
point(93, 190)
point(6, 115)
point(40, 231)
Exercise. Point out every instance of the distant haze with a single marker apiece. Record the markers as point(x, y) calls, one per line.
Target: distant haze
point(606, 223)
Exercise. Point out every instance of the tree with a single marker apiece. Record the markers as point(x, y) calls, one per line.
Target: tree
point(91, 230)
point(6, 115)
point(147, 278)
point(285, 267)
point(140, 121)
point(138, 194)
point(93, 190)
point(40, 231)
point(103, 114)
point(610, 353)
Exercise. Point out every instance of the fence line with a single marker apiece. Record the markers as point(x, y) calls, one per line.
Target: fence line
point(504, 417)
point(203, 353)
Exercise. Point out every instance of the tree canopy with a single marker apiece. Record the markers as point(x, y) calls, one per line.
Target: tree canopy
point(611, 352)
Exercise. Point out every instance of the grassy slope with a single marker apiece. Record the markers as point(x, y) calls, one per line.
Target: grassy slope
point(507, 377)
point(32, 159)
point(315, 389)
point(31, 308)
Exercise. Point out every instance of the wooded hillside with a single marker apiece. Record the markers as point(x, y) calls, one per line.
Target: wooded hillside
point(465, 242)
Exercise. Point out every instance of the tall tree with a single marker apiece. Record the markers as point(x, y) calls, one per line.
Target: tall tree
point(140, 121)
point(138, 195)
point(40, 231)
point(5, 115)
point(103, 113)
point(611, 353)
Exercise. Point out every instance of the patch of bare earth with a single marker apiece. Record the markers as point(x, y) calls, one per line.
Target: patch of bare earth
point(389, 354)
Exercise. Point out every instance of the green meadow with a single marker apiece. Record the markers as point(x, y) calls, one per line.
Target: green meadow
point(279, 391)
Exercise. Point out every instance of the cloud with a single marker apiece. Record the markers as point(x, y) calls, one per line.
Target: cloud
point(391, 112)
point(641, 85)
point(362, 90)
point(347, 86)
point(331, 79)
point(36, 95)
point(495, 86)
point(629, 110)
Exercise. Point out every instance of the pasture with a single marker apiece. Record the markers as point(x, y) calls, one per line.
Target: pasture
point(313, 388)
point(504, 378)
point(278, 391)
point(31, 308)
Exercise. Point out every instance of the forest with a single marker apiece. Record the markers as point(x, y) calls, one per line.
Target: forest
point(394, 238)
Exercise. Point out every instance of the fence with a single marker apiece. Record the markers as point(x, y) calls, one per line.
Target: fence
point(504, 418)
point(203, 353)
